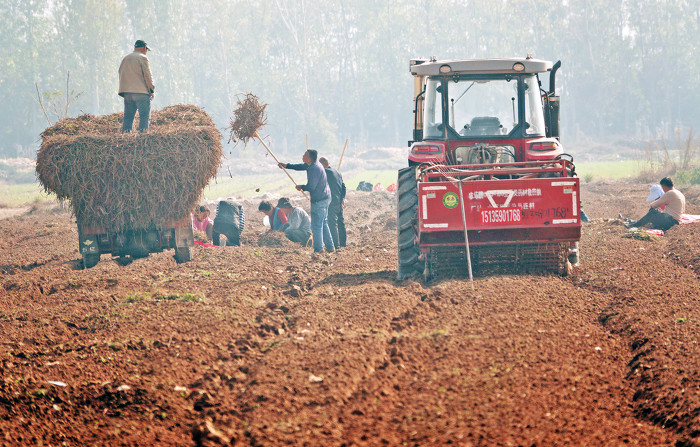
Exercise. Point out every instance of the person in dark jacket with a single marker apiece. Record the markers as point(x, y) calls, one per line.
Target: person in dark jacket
point(229, 221)
point(317, 186)
point(336, 221)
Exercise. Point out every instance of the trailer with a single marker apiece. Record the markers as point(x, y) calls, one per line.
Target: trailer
point(136, 243)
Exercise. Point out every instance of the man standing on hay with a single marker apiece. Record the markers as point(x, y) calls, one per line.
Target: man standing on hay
point(317, 186)
point(136, 87)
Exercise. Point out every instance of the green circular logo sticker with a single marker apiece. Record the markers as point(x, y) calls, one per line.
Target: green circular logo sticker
point(450, 200)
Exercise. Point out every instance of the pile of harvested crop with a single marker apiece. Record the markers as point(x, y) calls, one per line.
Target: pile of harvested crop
point(135, 180)
point(640, 235)
point(247, 119)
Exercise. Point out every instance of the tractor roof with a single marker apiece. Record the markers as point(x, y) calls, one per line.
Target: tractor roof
point(423, 67)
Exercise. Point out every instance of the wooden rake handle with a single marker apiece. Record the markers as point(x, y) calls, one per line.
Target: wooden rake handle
point(343, 153)
point(276, 160)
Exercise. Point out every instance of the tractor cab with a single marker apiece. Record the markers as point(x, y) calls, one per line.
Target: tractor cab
point(484, 111)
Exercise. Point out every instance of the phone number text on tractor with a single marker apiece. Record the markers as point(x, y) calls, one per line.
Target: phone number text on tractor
point(503, 215)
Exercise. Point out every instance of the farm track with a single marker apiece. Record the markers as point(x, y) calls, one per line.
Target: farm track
point(267, 346)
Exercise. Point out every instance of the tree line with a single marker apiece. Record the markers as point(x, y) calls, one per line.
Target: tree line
point(336, 69)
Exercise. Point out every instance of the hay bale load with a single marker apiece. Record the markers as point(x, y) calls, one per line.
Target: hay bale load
point(130, 181)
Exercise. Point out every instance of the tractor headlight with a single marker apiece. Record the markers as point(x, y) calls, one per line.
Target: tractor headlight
point(446, 69)
point(519, 66)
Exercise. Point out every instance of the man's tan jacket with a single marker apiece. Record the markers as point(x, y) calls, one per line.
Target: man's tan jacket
point(135, 74)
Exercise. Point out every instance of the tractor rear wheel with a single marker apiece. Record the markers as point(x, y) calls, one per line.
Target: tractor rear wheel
point(183, 254)
point(406, 222)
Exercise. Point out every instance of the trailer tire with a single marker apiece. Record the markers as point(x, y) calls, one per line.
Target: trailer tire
point(409, 263)
point(183, 254)
point(90, 260)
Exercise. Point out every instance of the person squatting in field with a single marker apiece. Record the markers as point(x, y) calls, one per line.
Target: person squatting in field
point(202, 222)
point(317, 186)
point(336, 221)
point(298, 226)
point(136, 86)
point(672, 199)
point(229, 221)
point(274, 214)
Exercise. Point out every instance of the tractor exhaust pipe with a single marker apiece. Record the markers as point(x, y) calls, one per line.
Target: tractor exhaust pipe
point(552, 77)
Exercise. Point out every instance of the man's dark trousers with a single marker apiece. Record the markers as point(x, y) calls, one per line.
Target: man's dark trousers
point(232, 233)
point(658, 220)
point(336, 223)
point(132, 103)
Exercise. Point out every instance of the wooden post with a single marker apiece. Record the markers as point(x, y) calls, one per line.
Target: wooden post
point(275, 158)
point(343, 153)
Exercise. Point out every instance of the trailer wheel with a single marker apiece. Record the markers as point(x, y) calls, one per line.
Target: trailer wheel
point(183, 254)
point(90, 260)
point(407, 209)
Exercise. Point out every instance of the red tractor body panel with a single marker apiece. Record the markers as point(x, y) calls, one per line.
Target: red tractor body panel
point(542, 205)
point(543, 210)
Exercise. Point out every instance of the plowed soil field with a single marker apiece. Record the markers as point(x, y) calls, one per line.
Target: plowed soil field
point(267, 345)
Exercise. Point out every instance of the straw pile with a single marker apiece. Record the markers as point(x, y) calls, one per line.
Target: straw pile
point(247, 119)
point(137, 180)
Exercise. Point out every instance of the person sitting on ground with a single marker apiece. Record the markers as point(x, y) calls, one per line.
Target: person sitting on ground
point(298, 227)
point(229, 221)
point(202, 222)
point(275, 215)
point(336, 221)
point(674, 201)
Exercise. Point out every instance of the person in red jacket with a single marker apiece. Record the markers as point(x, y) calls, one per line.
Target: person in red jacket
point(276, 216)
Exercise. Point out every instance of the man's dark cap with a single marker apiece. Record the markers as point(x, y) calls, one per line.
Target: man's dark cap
point(142, 44)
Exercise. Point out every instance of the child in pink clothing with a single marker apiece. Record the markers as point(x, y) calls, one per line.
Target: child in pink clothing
point(202, 222)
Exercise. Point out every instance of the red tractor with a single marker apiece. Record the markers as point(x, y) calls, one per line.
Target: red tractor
point(488, 181)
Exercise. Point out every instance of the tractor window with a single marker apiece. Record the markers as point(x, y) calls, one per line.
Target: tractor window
point(483, 106)
point(433, 110)
point(533, 107)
